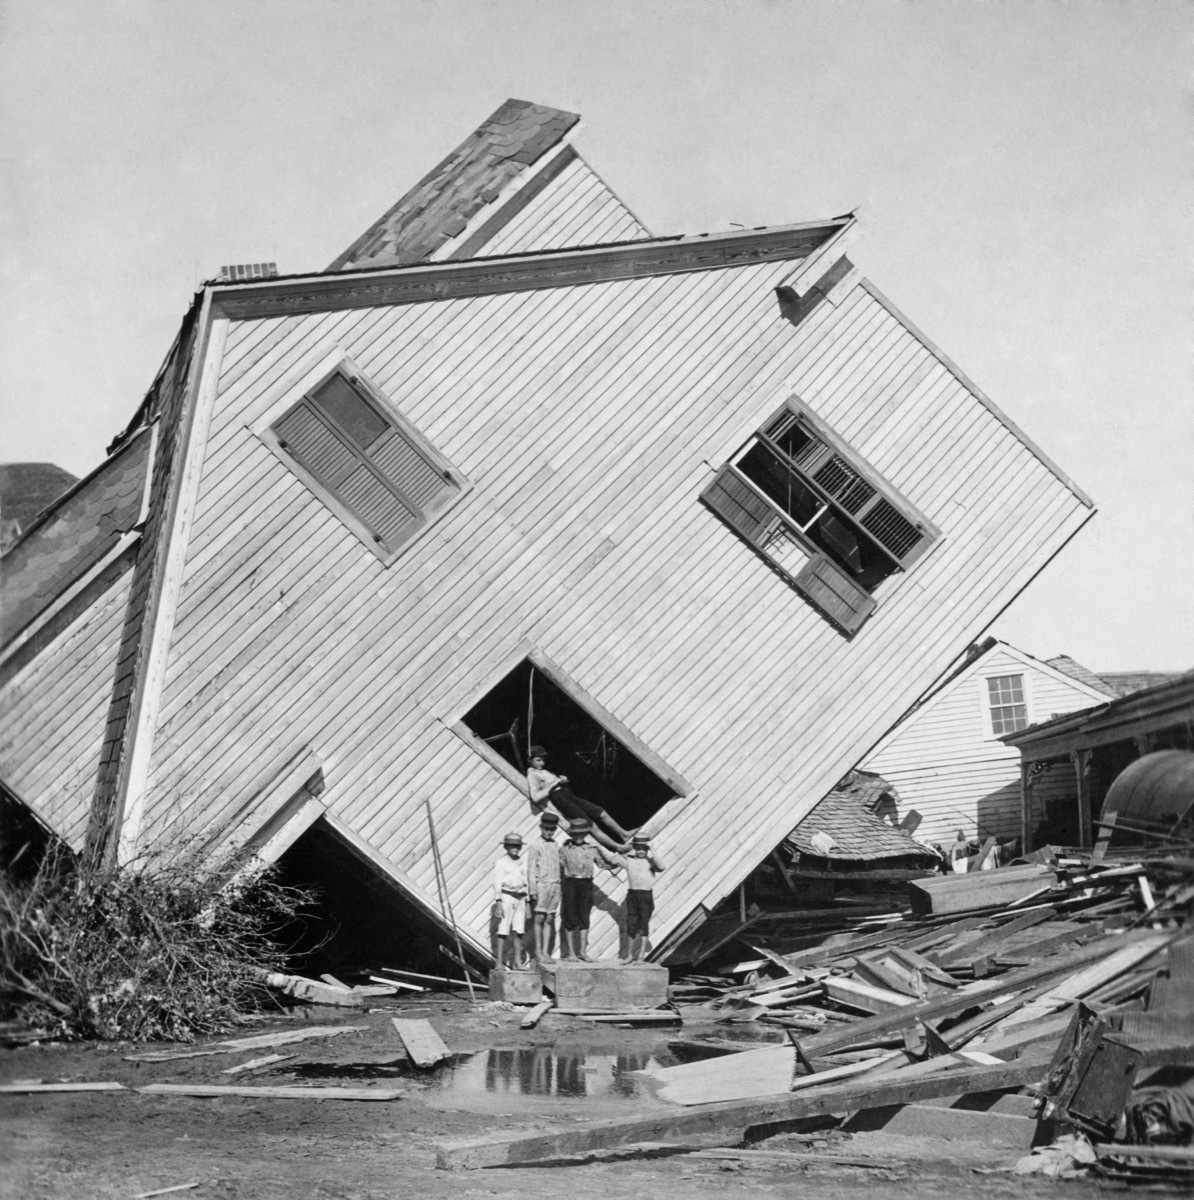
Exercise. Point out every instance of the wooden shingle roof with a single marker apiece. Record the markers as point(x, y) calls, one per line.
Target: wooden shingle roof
point(858, 835)
point(443, 202)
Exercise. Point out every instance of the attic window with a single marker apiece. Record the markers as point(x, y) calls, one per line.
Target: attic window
point(819, 514)
point(1009, 710)
point(373, 468)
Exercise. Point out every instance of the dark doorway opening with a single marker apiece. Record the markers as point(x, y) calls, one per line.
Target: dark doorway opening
point(528, 707)
point(360, 920)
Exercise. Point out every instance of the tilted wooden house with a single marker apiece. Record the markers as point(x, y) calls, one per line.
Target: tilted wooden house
point(704, 514)
point(946, 759)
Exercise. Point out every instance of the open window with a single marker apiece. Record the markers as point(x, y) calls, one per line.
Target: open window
point(536, 704)
point(368, 464)
point(819, 514)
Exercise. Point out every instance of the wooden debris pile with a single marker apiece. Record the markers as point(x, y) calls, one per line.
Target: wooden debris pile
point(974, 993)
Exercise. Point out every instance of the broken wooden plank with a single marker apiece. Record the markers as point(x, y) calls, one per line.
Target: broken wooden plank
point(270, 1093)
point(23, 1089)
point(423, 1044)
point(178, 1187)
point(312, 991)
point(255, 1064)
point(944, 894)
point(256, 1042)
point(535, 1015)
point(863, 995)
point(731, 1121)
point(396, 983)
point(635, 1018)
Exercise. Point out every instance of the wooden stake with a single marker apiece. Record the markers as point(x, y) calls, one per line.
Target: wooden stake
point(445, 900)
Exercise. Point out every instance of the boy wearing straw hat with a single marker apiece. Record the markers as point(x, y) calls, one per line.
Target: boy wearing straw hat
point(510, 898)
point(543, 877)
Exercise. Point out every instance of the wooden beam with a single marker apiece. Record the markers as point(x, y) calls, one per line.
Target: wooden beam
point(729, 1122)
point(270, 1093)
point(520, 273)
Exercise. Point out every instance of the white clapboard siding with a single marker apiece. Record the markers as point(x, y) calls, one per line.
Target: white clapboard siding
point(587, 419)
point(945, 762)
point(574, 209)
point(53, 713)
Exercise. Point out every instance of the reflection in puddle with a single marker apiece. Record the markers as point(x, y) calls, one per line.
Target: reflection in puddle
point(525, 1071)
point(542, 1071)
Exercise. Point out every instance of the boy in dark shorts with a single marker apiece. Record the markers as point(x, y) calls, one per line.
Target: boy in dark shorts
point(642, 865)
point(578, 860)
point(543, 785)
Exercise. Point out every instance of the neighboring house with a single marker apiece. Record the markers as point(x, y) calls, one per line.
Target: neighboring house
point(1068, 764)
point(945, 758)
point(704, 514)
point(26, 490)
point(1124, 683)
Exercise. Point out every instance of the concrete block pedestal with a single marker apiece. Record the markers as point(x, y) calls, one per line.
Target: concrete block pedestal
point(515, 987)
point(606, 986)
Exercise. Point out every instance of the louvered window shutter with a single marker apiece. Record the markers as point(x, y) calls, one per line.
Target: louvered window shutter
point(390, 483)
point(847, 484)
point(741, 507)
point(827, 588)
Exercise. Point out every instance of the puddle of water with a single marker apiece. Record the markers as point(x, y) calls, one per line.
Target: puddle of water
point(525, 1071)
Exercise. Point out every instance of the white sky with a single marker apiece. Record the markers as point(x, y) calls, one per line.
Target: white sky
point(1022, 169)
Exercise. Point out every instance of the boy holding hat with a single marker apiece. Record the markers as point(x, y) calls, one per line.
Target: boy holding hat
point(578, 859)
point(543, 878)
point(544, 785)
point(642, 865)
point(510, 897)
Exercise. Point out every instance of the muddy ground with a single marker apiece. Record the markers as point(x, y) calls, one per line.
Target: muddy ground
point(79, 1146)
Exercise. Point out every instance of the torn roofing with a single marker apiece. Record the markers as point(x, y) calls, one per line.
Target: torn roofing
point(858, 835)
point(73, 536)
point(442, 203)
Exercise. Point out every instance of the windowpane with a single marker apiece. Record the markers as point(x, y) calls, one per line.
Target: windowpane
point(1009, 713)
point(338, 400)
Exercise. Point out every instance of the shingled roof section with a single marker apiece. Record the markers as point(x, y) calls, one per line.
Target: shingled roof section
point(72, 536)
point(443, 202)
point(27, 489)
point(1075, 670)
point(858, 835)
point(1124, 683)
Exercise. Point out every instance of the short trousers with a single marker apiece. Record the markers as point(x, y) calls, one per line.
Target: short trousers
point(572, 806)
point(547, 898)
point(576, 903)
point(639, 907)
point(514, 914)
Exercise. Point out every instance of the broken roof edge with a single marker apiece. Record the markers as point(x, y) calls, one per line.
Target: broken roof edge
point(980, 395)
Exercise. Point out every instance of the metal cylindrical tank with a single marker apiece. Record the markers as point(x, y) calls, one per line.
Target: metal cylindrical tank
point(1155, 792)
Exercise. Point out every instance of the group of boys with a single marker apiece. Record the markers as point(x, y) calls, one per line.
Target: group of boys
point(553, 879)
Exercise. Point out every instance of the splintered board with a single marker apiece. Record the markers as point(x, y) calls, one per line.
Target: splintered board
point(423, 1044)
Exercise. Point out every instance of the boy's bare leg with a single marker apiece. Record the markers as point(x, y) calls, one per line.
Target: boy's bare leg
point(566, 954)
point(549, 924)
point(610, 823)
point(501, 950)
point(582, 942)
point(609, 843)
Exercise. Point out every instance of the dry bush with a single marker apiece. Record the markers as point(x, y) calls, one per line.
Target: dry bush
point(136, 953)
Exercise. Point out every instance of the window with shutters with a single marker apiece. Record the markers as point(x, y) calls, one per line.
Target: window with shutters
point(369, 465)
point(819, 514)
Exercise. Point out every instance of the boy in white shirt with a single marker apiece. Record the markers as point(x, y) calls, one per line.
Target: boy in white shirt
point(510, 900)
point(642, 865)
